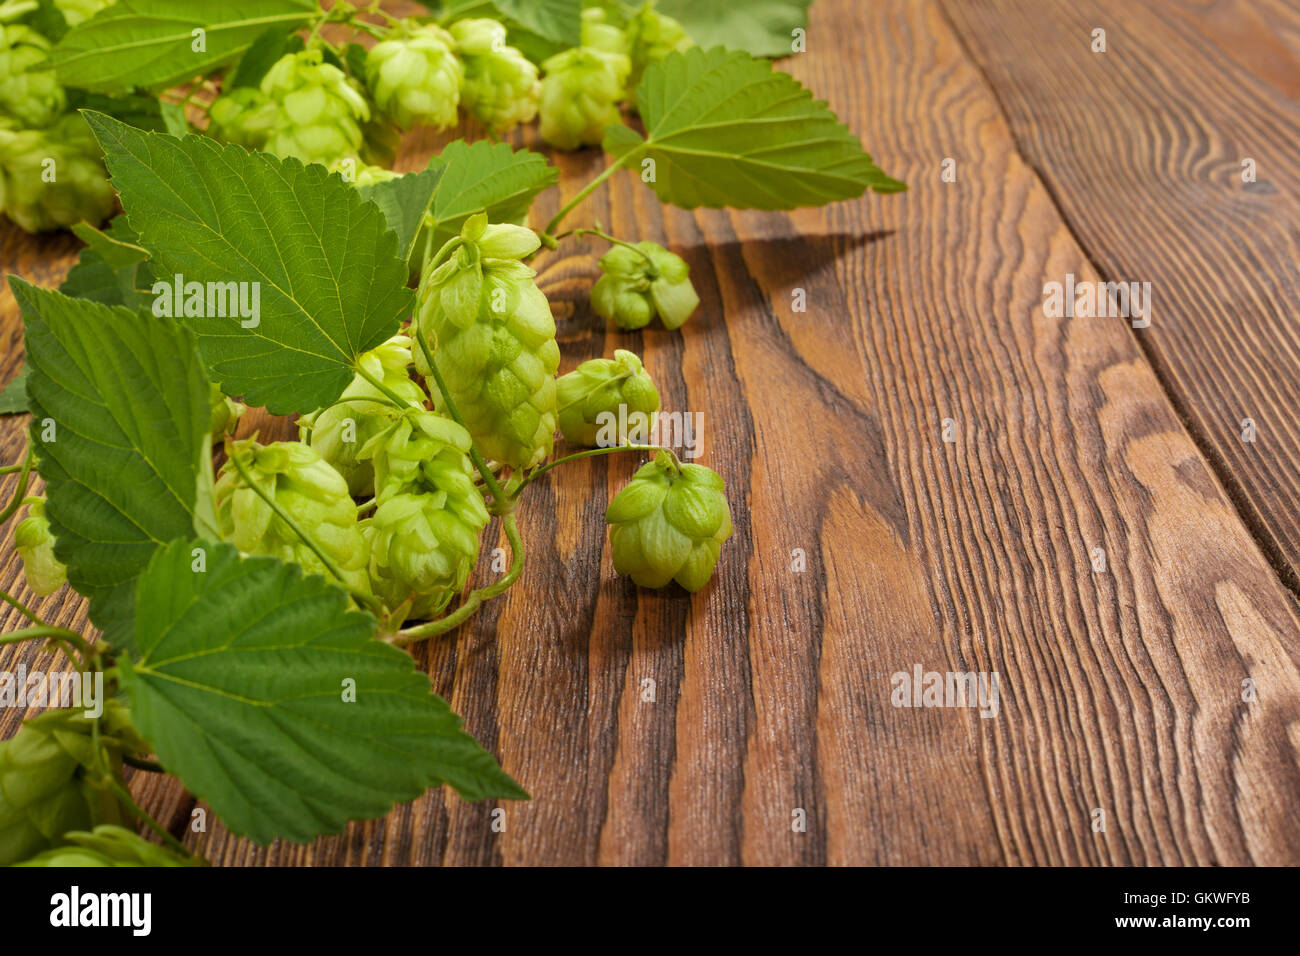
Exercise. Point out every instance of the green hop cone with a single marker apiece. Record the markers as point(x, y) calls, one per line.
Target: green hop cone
point(32, 97)
point(500, 88)
point(581, 90)
point(316, 496)
point(319, 113)
point(361, 174)
point(34, 543)
point(669, 524)
point(226, 413)
point(50, 782)
point(599, 34)
point(53, 178)
point(651, 36)
point(415, 76)
point(338, 433)
point(108, 845)
point(602, 392)
point(494, 337)
point(639, 283)
point(245, 116)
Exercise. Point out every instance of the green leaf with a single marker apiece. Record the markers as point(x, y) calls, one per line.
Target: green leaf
point(330, 285)
point(135, 109)
point(404, 201)
point(13, 397)
point(485, 178)
point(129, 407)
point(760, 27)
point(123, 281)
point(272, 701)
point(47, 20)
point(150, 44)
point(261, 56)
point(557, 20)
point(725, 129)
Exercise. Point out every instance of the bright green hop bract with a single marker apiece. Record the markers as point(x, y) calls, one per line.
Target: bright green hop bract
point(598, 34)
point(319, 113)
point(425, 534)
point(32, 97)
point(501, 88)
point(226, 413)
point(581, 90)
point(49, 781)
point(669, 524)
point(651, 36)
point(494, 337)
point(298, 480)
point(108, 845)
point(53, 178)
point(34, 543)
point(639, 283)
point(415, 76)
point(340, 432)
point(245, 116)
point(604, 391)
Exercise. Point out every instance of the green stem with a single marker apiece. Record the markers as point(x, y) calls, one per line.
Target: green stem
point(500, 502)
point(586, 191)
point(141, 763)
point(46, 630)
point(614, 240)
point(124, 795)
point(21, 492)
point(378, 383)
point(591, 452)
point(21, 608)
point(476, 598)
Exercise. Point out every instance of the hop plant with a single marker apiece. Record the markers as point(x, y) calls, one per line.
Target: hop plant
point(32, 97)
point(53, 178)
point(500, 88)
point(651, 36)
point(338, 433)
point(226, 413)
point(34, 543)
point(107, 845)
point(299, 481)
point(50, 782)
point(319, 113)
point(415, 77)
point(245, 116)
point(641, 282)
point(600, 388)
point(495, 342)
point(425, 534)
point(580, 94)
point(669, 524)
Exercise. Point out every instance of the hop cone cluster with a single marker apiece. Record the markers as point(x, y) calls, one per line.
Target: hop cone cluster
point(581, 90)
point(318, 112)
point(299, 481)
point(415, 77)
point(425, 533)
point(501, 88)
point(495, 342)
point(48, 778)
point(597, 391)
point(34, 543)
point(108, 845)
point(51, 178)
point(639, 283)
point(31, 97)
point(669, 524)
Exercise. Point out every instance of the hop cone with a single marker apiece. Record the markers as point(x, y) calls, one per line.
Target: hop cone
point(34, 543)
point(53, 178)
point(226, 413)
point(339, 432)
point(501, 88)
point(31, 97)
point(638, 285)
point(668, 524)
point(48, 778)
point(651, 36)
point(424, 535)
point(599, 388)
point(597, 34)
point(108, 845)
point(318, 113)
point(361, 174)
point(297, 479)
point(245, 116)
point(580, 94)
point(495, 341)
point(415, 77)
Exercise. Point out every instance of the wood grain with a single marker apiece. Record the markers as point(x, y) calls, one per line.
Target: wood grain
point(1143, 146)
point(1121, 689)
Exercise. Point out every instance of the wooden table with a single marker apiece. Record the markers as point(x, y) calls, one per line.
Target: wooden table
point(1097, 531)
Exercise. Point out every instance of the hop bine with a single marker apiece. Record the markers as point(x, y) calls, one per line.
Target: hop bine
point(597, 389)
point(642, 281)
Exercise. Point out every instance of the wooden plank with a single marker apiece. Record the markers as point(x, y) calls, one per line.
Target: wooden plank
point(1143, 148)
point(1121, 689)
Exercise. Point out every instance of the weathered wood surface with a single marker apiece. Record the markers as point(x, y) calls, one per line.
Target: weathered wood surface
point(1121, 688)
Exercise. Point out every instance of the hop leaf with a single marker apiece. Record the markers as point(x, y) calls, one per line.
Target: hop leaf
point(415, 76)
point(639, 283)
point(34, 543)
point(669, 524)
point(604, 389)
point(500, 88)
